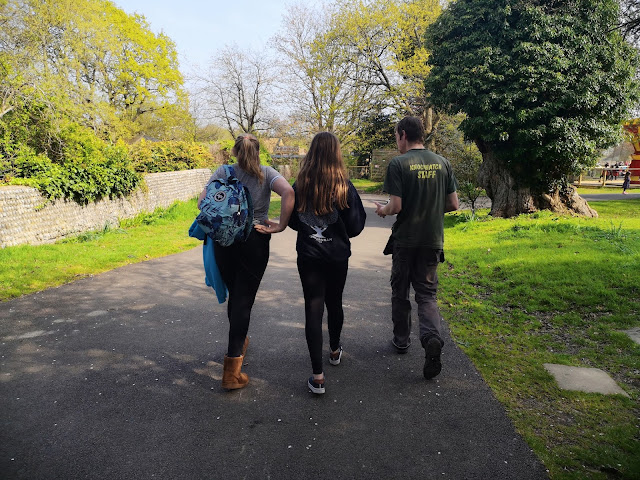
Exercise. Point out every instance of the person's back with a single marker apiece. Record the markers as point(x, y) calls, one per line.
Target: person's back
point(259, 188)
point(242, 264)
point(423, 180)
point(328, 211)
point(421, 188)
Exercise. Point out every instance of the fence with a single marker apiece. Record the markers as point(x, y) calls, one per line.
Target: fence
point(358, 172)
point(608, 176)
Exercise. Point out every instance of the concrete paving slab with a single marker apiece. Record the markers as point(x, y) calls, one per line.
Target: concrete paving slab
point(634, 333)
point(591, 380)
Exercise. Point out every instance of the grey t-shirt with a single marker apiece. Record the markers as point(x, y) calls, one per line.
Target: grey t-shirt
point(260, 193)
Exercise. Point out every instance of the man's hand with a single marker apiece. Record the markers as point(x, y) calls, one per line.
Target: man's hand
point(392, 207)
point(379, 208)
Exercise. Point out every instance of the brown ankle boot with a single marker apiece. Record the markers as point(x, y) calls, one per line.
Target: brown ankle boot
point(244, 347)
point(232, 377)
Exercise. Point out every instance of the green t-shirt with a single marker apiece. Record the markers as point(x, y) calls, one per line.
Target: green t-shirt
point(423, 180)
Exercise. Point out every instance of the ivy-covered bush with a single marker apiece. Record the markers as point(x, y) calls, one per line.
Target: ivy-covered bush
point(73, 162)
point(82, 181)
point(76, 164)
point(151, 157)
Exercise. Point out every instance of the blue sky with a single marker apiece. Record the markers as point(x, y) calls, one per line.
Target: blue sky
point(199, 28)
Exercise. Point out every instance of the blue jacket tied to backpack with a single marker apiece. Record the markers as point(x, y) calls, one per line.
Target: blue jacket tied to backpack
point(226, 211)
point(212, 276)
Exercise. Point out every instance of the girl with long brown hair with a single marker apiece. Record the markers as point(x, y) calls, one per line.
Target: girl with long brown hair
point(327, 212)
point(242, 265)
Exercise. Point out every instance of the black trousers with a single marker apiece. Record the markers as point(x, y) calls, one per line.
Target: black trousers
point(417, 267)
point(242, 266)
point(322, 284)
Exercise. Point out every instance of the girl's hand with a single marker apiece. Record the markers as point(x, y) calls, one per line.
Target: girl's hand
point(270, 227)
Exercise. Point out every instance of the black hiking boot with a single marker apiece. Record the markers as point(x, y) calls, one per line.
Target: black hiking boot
point(432, 364)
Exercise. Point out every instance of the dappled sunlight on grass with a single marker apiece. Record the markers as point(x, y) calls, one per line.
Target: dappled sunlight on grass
point(25, 269)
point(544, 288)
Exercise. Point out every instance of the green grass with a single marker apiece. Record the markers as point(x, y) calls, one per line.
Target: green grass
point(541, 289)
point(26, 269)
point(368, 186)
point(274, 208)
point(516, 293)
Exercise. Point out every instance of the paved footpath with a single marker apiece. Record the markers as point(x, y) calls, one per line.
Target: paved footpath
point(117, 376)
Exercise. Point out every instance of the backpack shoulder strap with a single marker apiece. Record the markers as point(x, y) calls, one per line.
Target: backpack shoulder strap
point(229, 171)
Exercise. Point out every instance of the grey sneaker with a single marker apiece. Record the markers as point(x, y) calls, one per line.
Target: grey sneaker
point(432, 362)
point(334, 358)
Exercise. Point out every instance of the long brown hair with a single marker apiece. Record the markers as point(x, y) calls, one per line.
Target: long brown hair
point(247, 151)
point(322, 180)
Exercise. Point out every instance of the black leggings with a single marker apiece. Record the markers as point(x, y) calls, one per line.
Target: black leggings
point(242, 266)
point(322, 284)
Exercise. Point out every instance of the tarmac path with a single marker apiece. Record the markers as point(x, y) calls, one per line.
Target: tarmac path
point(117, 376)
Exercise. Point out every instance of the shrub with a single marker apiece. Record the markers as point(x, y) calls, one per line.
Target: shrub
point(151, 157)
point(78, 165)
point(79, 177)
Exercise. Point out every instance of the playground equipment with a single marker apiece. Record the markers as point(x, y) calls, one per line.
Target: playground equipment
point(633, 127)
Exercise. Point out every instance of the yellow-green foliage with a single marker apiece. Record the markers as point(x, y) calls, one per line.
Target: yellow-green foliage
point(86, 60)
point(85, 167)
point(386, 37)
point(150, 157)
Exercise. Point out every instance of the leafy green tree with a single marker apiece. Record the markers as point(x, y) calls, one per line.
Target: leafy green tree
point(86, 60)
point(384, 39)
point(544, 84)
point(376, 132)
point(75, 76)
point(464, 157)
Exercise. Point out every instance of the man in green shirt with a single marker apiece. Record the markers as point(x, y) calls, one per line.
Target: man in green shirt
point(422, 188)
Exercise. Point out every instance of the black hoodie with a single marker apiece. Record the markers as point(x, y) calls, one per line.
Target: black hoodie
point(326, 237)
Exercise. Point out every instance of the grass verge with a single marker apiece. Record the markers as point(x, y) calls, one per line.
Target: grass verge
point(541, 289)
point(27, 269)
point(603, 190)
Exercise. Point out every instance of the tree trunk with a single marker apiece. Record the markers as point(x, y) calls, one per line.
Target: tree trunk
point(509, 200)
point(430, 120)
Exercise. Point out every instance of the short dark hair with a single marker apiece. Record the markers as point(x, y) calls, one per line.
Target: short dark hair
point(412, 127)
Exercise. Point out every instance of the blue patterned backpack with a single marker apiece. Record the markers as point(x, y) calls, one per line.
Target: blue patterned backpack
point(226, 211)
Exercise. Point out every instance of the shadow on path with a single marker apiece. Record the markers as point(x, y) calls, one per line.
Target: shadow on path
point(118, 377)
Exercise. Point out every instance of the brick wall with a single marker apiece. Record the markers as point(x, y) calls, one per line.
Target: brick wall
point(26, 216)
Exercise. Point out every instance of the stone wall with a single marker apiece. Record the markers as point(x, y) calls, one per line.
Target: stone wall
point(26, 217)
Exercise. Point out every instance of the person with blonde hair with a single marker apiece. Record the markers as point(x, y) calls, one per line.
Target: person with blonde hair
point(243, 264)
point(327, 212)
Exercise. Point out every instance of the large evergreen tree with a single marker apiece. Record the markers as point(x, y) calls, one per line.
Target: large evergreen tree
point(545, 85)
